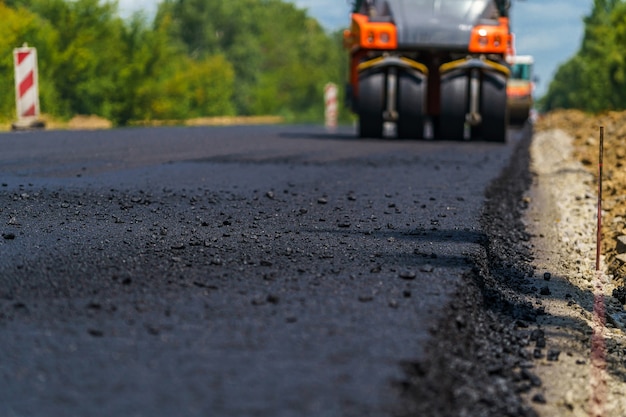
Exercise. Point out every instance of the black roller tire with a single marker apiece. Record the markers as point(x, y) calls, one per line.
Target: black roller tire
point(371, 105)
point(493, 108)
point(454, 106)
point(411, 95)
point(518, 114)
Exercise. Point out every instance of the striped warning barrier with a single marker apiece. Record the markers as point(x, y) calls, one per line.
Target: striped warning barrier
point(26, 87)
point(330, 97)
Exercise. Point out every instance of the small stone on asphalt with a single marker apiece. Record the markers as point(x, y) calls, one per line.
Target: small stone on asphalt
point(95, 333)
point(407, 275)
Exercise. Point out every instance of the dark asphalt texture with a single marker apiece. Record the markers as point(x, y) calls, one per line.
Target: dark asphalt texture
point(259, 271)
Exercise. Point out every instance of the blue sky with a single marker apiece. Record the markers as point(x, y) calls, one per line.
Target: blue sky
point(549, 30)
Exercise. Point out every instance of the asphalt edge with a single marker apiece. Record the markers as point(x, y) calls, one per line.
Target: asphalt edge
point(480, 359)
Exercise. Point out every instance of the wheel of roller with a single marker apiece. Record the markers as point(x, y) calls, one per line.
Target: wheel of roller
point(454, 106)
point(493, 108)
point(371, 105)
point(411, 94)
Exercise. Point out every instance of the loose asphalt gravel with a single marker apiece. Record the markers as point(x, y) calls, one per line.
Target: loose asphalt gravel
point(304, 274)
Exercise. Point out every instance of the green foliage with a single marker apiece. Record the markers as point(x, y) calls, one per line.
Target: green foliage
point(197, 58)
point(594, 79)
point(282, 58)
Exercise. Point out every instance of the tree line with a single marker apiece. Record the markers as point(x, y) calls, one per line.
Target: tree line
point(195, 58)
point(594, 79)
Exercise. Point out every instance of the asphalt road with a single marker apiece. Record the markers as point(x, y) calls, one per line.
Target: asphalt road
point(229, 271)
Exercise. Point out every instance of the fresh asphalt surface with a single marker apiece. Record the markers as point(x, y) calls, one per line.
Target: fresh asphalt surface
point(228, 271)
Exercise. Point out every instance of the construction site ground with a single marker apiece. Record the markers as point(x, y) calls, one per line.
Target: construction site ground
point(575, 377)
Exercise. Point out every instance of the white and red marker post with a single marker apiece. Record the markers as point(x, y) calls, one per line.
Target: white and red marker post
point(26, 88)
point(331, 111)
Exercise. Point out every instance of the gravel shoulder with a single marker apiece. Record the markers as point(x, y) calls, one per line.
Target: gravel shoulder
point(562, 221)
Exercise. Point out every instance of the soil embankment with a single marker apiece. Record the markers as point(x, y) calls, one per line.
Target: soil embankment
point(585, 132)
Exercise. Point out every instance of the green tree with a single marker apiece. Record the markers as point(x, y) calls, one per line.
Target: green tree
point(282, 58)
point(163, 82)
point(196, 58)
point(595, 78)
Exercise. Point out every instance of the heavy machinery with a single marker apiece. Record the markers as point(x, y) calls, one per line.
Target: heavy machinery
point(520, 88)
point(431, 68)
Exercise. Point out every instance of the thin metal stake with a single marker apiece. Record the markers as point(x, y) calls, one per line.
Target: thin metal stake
point(598, 398)
point(599, 231)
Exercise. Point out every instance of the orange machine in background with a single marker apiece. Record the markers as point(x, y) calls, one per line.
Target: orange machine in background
point(520, 88)
point(434, 68)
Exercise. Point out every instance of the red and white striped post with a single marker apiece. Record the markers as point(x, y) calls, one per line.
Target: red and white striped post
point(330, 97)
point(26, 88)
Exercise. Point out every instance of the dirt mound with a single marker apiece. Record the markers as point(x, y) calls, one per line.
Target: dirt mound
point(585, 129)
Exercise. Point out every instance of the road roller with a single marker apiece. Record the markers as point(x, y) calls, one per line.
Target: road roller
point(433, 69)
